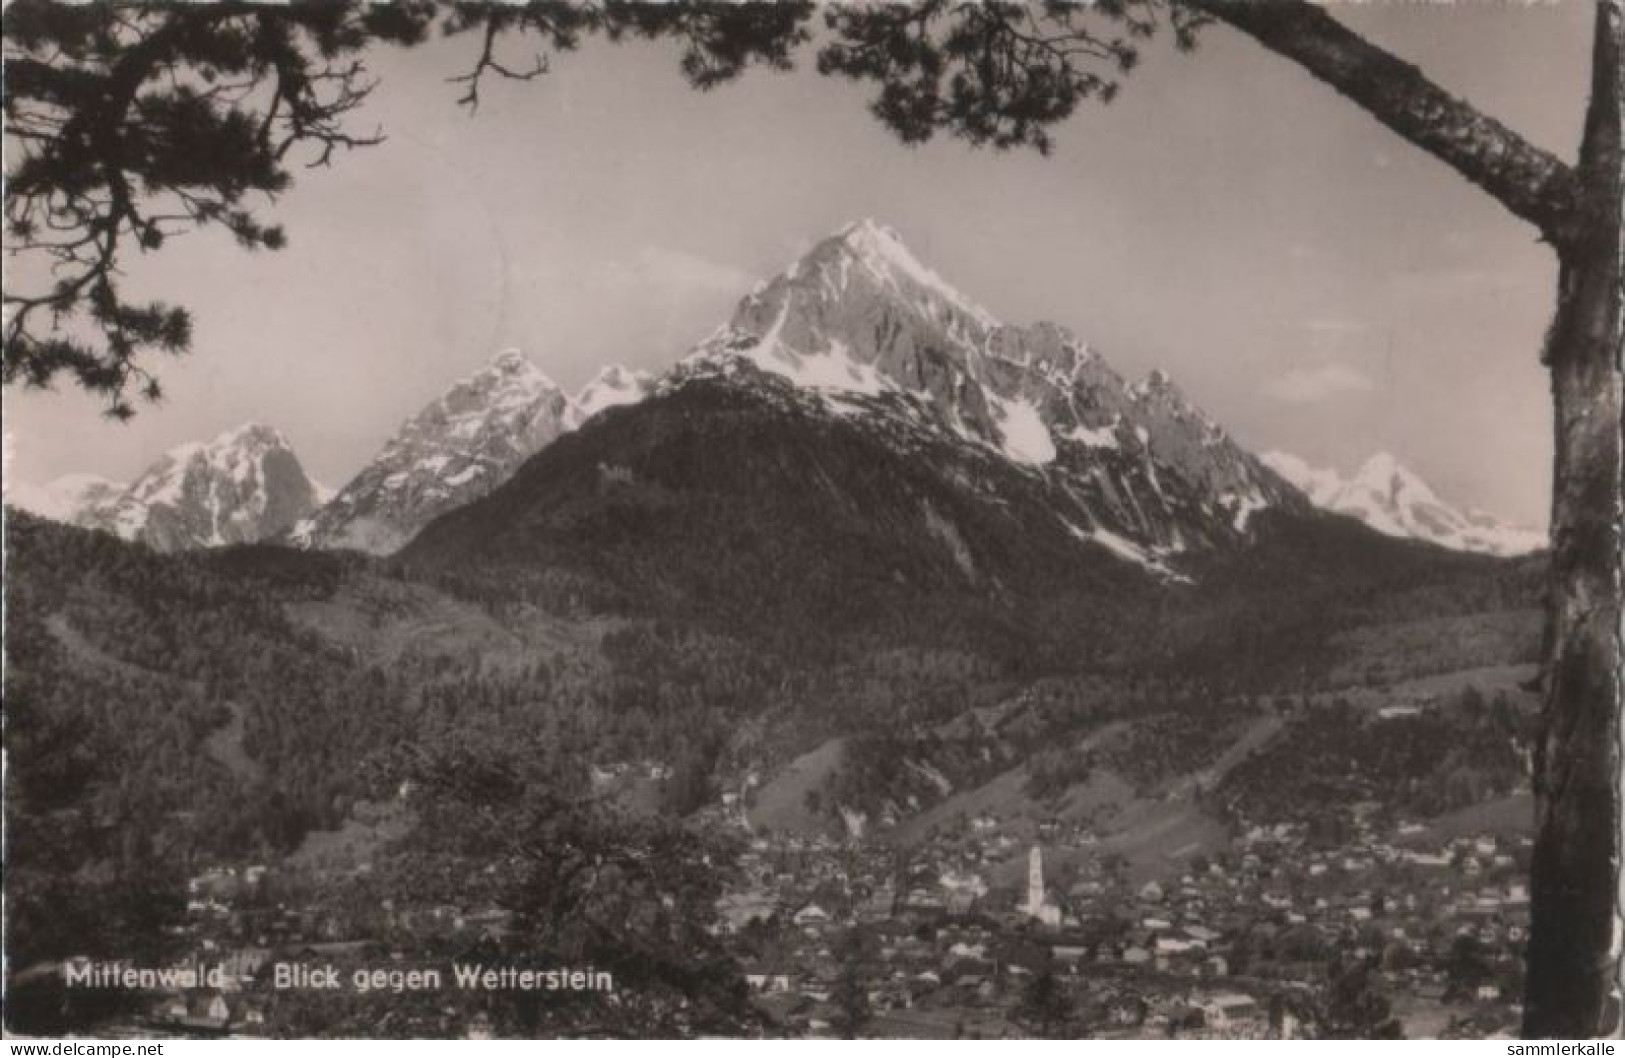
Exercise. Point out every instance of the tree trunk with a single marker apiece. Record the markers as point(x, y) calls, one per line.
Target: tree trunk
point(1573, 972)
point(1572, 986)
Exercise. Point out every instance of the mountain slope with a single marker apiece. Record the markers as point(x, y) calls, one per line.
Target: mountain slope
point(742, 503)
point(858, 434)
point(1394, 500)
point(458, 448)
point(244, 486)
point(862, 454)
point(859, 318)
point(612, 387)
point(454, 450)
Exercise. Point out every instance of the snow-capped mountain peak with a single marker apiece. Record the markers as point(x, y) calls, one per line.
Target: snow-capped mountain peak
point(1393, 499)
point(860, 323)
point(1379, 465)
point(1383, 473)
point(881, 251)
point(509, 379)
point(243, 486)
point(459, 447)
point(454, 450)
point(612, 387)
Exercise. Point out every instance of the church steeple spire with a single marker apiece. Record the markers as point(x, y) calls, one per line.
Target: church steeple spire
point(1035, 880)
point(1038, 905)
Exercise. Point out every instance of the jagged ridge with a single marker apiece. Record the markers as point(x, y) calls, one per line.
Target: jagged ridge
point(1393, 499)
point(459, 448)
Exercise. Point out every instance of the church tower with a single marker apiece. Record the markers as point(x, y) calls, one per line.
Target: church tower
point(1038, 906)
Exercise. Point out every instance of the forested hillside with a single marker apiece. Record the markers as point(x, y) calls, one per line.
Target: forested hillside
point(165, 711)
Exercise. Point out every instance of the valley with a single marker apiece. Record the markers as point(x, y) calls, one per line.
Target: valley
point(880, 668)
point(894, 787)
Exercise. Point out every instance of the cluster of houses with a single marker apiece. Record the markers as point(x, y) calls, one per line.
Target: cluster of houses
point(1207, 947)
point(955, 930)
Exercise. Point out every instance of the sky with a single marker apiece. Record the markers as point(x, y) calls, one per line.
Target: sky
point(1311, 280)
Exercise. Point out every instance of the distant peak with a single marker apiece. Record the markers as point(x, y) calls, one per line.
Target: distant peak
point(613, 385)
point(868, 229)
point(1392, 499)
point(507, 367)
point(1384, 467)
point(1382, 463)
point(509, 360)
point(250, 432)
point(878, 248)
point(881, 244)
point(617, 375)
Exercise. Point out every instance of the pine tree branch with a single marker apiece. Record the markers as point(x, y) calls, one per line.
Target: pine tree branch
point(1528, 181)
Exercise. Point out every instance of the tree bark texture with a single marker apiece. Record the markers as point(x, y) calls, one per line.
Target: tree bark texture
point(1573, 955)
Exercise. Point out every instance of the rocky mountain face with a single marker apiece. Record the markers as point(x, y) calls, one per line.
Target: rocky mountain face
point(859, 444)
point(1392, 499)
point(454, 450)
point(244, 486)
point(459, 448)
point(856, 337)
point(862, 322)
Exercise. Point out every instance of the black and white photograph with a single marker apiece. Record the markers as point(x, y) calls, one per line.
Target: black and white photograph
point(588, 519)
